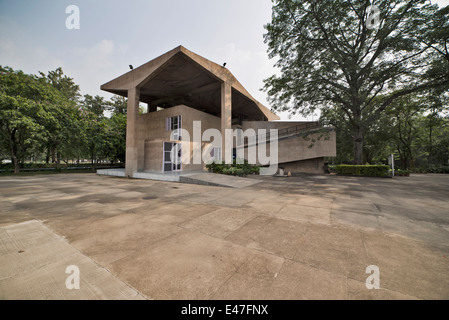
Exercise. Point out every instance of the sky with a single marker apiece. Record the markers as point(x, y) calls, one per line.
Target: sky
point(114, 34)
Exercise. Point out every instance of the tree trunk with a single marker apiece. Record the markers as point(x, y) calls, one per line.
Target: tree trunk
point(53, 154)
point(13, 150)
point(358, 145)
point(47, 156)
point(92, 155)
point(429, 158)
point(16, 165)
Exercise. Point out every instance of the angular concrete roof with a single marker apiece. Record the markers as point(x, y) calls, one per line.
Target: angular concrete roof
point(183, 77)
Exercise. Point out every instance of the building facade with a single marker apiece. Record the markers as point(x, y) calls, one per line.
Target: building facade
point(192, 103)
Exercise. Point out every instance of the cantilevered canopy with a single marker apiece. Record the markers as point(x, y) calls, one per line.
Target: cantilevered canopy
point(183, 77)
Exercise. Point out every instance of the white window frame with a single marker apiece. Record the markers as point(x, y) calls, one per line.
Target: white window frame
point(170, 125)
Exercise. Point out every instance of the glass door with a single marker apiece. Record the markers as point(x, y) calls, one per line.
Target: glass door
point(172, 156)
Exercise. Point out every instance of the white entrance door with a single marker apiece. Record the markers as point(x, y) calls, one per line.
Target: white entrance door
point(172, 156)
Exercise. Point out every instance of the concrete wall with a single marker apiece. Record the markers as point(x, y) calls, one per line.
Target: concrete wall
point(297, 147)
point(294, 151)
point(152, 134)
point(271, 124)
point(304, 166)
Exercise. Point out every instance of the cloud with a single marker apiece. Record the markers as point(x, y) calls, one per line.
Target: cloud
point(96, 57)
point(90, 66)
point(249, 67)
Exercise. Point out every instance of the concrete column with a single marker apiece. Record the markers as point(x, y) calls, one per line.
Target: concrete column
point(226, 120)
point(131, 132)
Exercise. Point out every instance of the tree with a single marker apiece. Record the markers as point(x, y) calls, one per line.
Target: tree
point(62, 83)
point(406, 113)
point(25, 102)
point(329, 56)
point(377, 138)
point(117, 137)
point(433, 33)
point(97, 105)
point(118, 105)
point(62, 128)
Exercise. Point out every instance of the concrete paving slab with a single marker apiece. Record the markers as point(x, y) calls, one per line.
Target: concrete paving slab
point(366, 206)
point(295, 212)
point(357, 291)
point(421, 212)
point(220, 223)
point(297, 281)
point(426, 231)
point(245, 287)
point(341, 251)
point(174, 213)
point(269, 204)
point(313, 201)
point(355, 219)
point(271, 235)
point(229, 198)
point(38, 269)
point(410, 267)
point(188, 265)
point(253, 280)
point(108, 242)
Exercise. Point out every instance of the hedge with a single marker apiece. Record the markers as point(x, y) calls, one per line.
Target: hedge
point(364, 170)
point(234, 169)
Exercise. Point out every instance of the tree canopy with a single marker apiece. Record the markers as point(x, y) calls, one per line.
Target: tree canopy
point(45, 118)
point(330, 57)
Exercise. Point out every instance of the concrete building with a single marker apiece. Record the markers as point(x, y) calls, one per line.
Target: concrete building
point(181, 88)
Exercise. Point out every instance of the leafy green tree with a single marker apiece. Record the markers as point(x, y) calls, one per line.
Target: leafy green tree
point(62, 128)
point(406, 113)
point(42, 115)
point(25, 112)
point(433, 33)
point(117, 136)
point(62, 83)
point(92, 128)
point(97, 105)
point(329, 55)
point(118, 105)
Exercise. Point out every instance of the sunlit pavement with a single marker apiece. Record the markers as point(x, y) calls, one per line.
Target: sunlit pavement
point(305, 237)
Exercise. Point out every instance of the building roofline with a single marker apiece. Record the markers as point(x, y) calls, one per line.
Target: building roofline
point(141, 74)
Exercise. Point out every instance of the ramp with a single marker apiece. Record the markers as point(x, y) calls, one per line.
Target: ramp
point(219, 180)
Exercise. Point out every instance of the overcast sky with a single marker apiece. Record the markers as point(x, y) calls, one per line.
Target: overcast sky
point(114, 34)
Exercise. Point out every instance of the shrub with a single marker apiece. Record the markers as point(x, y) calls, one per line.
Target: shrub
point(235, 169)
point(255, 170)
point(239, 172)
point(216, 167)
point(402, 173)
point(364, 170)
point(432, 169)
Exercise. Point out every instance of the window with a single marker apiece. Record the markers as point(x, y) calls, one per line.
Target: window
point(173, 124)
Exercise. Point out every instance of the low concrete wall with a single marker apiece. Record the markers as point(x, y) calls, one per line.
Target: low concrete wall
point(315, 165)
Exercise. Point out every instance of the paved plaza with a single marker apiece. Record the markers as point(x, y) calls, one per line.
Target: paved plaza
point(304, 237)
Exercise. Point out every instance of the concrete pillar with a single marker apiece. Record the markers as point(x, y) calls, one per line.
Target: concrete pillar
point(226, 120)
point(131, 132)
